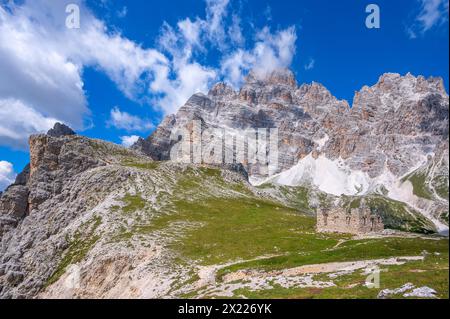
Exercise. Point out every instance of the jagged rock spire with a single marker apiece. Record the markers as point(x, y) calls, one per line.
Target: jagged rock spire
point(282, 76)
point(59, 130)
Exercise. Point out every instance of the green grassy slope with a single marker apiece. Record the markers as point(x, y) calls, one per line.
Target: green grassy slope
point(225, 222)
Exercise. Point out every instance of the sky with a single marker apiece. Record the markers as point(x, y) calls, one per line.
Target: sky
point(127, 64)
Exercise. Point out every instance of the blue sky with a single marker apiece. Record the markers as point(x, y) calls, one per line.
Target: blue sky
point(132, 62)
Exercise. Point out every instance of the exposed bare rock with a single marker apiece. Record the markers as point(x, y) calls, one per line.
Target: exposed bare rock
point(23, 177)
point(13, 207)
point(394, 124)
point(63, 184)
point(60, 130)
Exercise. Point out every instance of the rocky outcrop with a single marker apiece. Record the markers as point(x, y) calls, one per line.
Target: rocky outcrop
point(60, 130)
point(13, 207)
point(54, 160)
point(17, 200)
point(23, 177)
point(58, 185)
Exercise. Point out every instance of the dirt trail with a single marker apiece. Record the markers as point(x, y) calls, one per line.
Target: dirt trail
point(332, 267)
point(300, 277)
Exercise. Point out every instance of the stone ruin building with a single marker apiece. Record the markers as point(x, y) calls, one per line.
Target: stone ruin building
point(354, 221)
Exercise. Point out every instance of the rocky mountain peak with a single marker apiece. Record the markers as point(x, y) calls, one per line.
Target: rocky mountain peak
point(222, 90)
point(407, 95)
point(281, 76)
point(315, 92)
point(408, 85)
point(59, 130)
point(398, 112)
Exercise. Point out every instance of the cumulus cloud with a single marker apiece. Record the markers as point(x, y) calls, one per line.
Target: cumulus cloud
point(128, 141)
point(271, 51)
point(42, 63)
point(7, 174)
point(432, 13)
point(18, 121)
point(125, 121)
point(183, 75)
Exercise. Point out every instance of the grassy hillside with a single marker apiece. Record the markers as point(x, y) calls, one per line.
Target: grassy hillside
point(226, 222)
point(206, 218)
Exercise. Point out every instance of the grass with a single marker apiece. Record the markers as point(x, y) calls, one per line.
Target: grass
point(440, 184)
point(79, 245)
point(141, 165)
point(395, 214)
point(133, 203)
point(108, 149)
point(349, 251)
point(432, 272)
point(356, 203)
point(418, 180)
point(246, 228)
point(206, 228)
point(242, 228)
point(298, 197)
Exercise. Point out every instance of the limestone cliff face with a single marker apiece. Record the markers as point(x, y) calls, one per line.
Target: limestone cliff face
point(394, 124)
point(59, 185)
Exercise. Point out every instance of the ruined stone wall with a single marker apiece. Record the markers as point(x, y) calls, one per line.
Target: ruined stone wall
point(357, 221)
point(368, 222)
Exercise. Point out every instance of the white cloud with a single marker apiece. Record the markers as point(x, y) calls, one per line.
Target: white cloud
point(235, 65)
point(128, 141)
point(432, 13)
point(235, 31)
point(18, 121)
point(216, 11)
point(184, 75)
point(271, 51)
point(125, 121)
point(191, 30)
point(411, 33)
point(190, 78)
point(175, 83)
point(42, 63)
point(7, 174)
point(310, 65)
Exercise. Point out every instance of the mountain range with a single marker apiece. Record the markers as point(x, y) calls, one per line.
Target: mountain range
point(91, 219)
